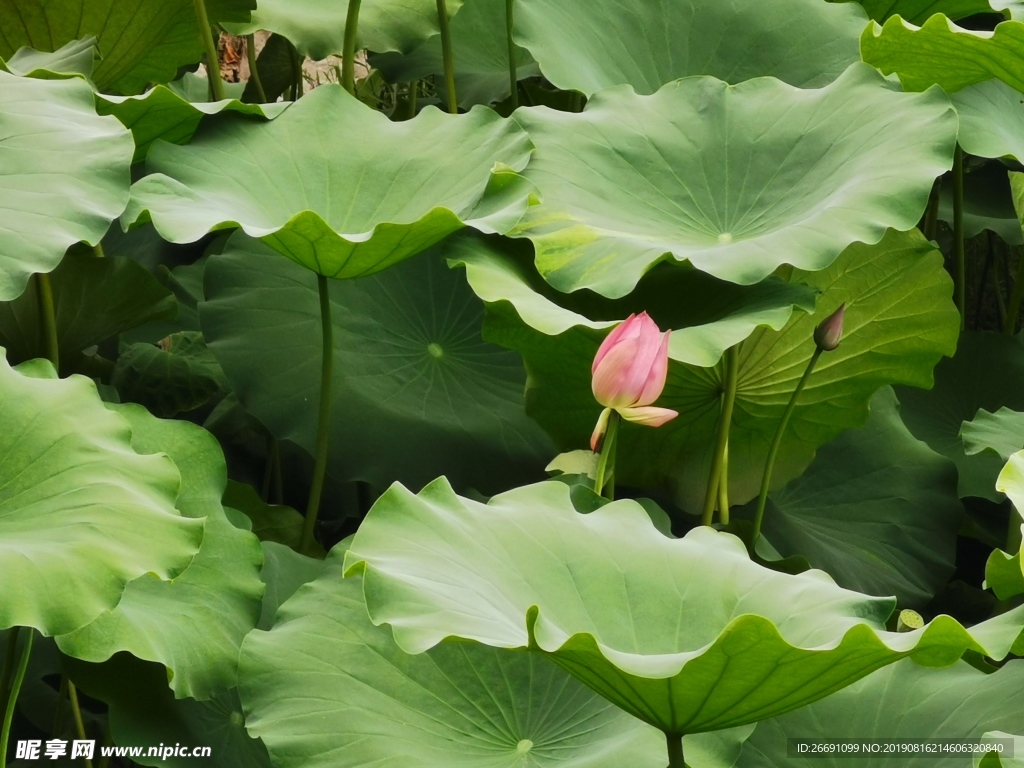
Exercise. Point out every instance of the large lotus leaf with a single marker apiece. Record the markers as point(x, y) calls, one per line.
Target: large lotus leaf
point(937, 415)
point(941, 53)
point(587, 45)
point(708, 315)
point(899, 322)
point(1004, 573)
point(991, 119)
point(94, 300)
point(193, 625)
point(363, 702)
point(77, 57)
point(480, 42)
point(142, 41)
point(688, 634)
point(340, 208)
point(417, 391)
point(902, 701)
point(737, 180)
point(877, 509)
point(81, 514)
point(317, 27)
point(919, 11)
point(988, 203)
point(64, 174)
point(1002, 432)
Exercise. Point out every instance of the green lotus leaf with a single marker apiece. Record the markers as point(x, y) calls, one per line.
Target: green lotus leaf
point(877, 509)
point(1002, 432)
point(480, 42)
point(1004, 573)
point(77, 57)
point(993, 759)
point(991, 119)
point(344, 213)
point(902, 701)
point(708, 315)
point(94, 299)
point(941, 53)
point(588, 45)
point(417, 391)
point(64, 174)
point(688, 634)
point(736, 180)
point(81, 513)
point(364, 702)
point(919, 11)
point(317, 27)
point(193, 625)
point(988, 204)
point(938, 415)
point(274, 523)
point(142, 41)
point(284, 571)
point(899, 322)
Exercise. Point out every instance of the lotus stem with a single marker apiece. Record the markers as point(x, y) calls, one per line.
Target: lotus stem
point(723, 489)
point(408, 111)
point(254, 71)
point(675, 750)
point(773, 451)
point(1016, 298)
point(959, 278)
point(603, 477)
point(513, 79)
point(931, 215)
point(10, 659)
point(48, 318)
point(323, 433)
point(76, 711)
point(348, 51)
point(97, 251)
point(12, 700)
point(212, 57)
point(715, 476)
point(447, 56)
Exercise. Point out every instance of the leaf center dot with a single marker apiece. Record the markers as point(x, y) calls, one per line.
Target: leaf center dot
point(435, 350)
point(524, 746)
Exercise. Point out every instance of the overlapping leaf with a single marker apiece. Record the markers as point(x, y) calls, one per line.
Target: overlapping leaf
point(991, 119)
point(686, 634)
point(64, 174)
point(339, 208)
point(587, 45)
point(736, 180)
point(899, 322)
point(1004, 573)
point(81, 513)
point(919, 11)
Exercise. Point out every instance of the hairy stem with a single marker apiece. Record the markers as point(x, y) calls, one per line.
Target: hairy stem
point(959, 278)
point(212, 57)
point(348, 50)
point(773, 451)
point(12, 699)
point(729, 382)
point(254, 72)
point(675, 751)
point(48, 319)
point(509, 27)
point(323, 433)
point(447, 56)
point(604, 480)
point(76, 712)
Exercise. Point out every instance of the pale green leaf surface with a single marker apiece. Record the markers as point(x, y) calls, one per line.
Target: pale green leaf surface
point(284, 571)
point(317, 27)
point(736, 180)
point(64, 174)
point(588, 45)
point(900, 321)
point(1004, 573)
point(902, 701)
point(919, 11)
point(344, 213)
point(363, 702)
point(81, 513)
point(686, 634)
point(991, 119)
point(77, 57)
point(193, 625)
point(1002, 432)
point(416, 393)
point(996, 760)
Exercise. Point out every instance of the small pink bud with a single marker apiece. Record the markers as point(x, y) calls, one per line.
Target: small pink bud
point(829, 333)
point(629, 373)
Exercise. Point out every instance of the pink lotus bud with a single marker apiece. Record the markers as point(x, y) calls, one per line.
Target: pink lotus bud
point(829, 333)
point(629, 373)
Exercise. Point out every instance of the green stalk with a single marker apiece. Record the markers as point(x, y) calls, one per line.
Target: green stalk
point(607, 458)
point(76, 710)
point(729, 383)
point(409, 105)
point(97, 251)
point(675, 751)
point(254, 72)
point(512, 78)
point(8, 670)
point(723, 489)
point(1016, 298)
point(931, 216)
point(48, 319)
point(769, 465)
point(348, 50)
point(323, 433)
point(12, 700)
point(212, 57)
point(447, 56)
point(959, 278)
